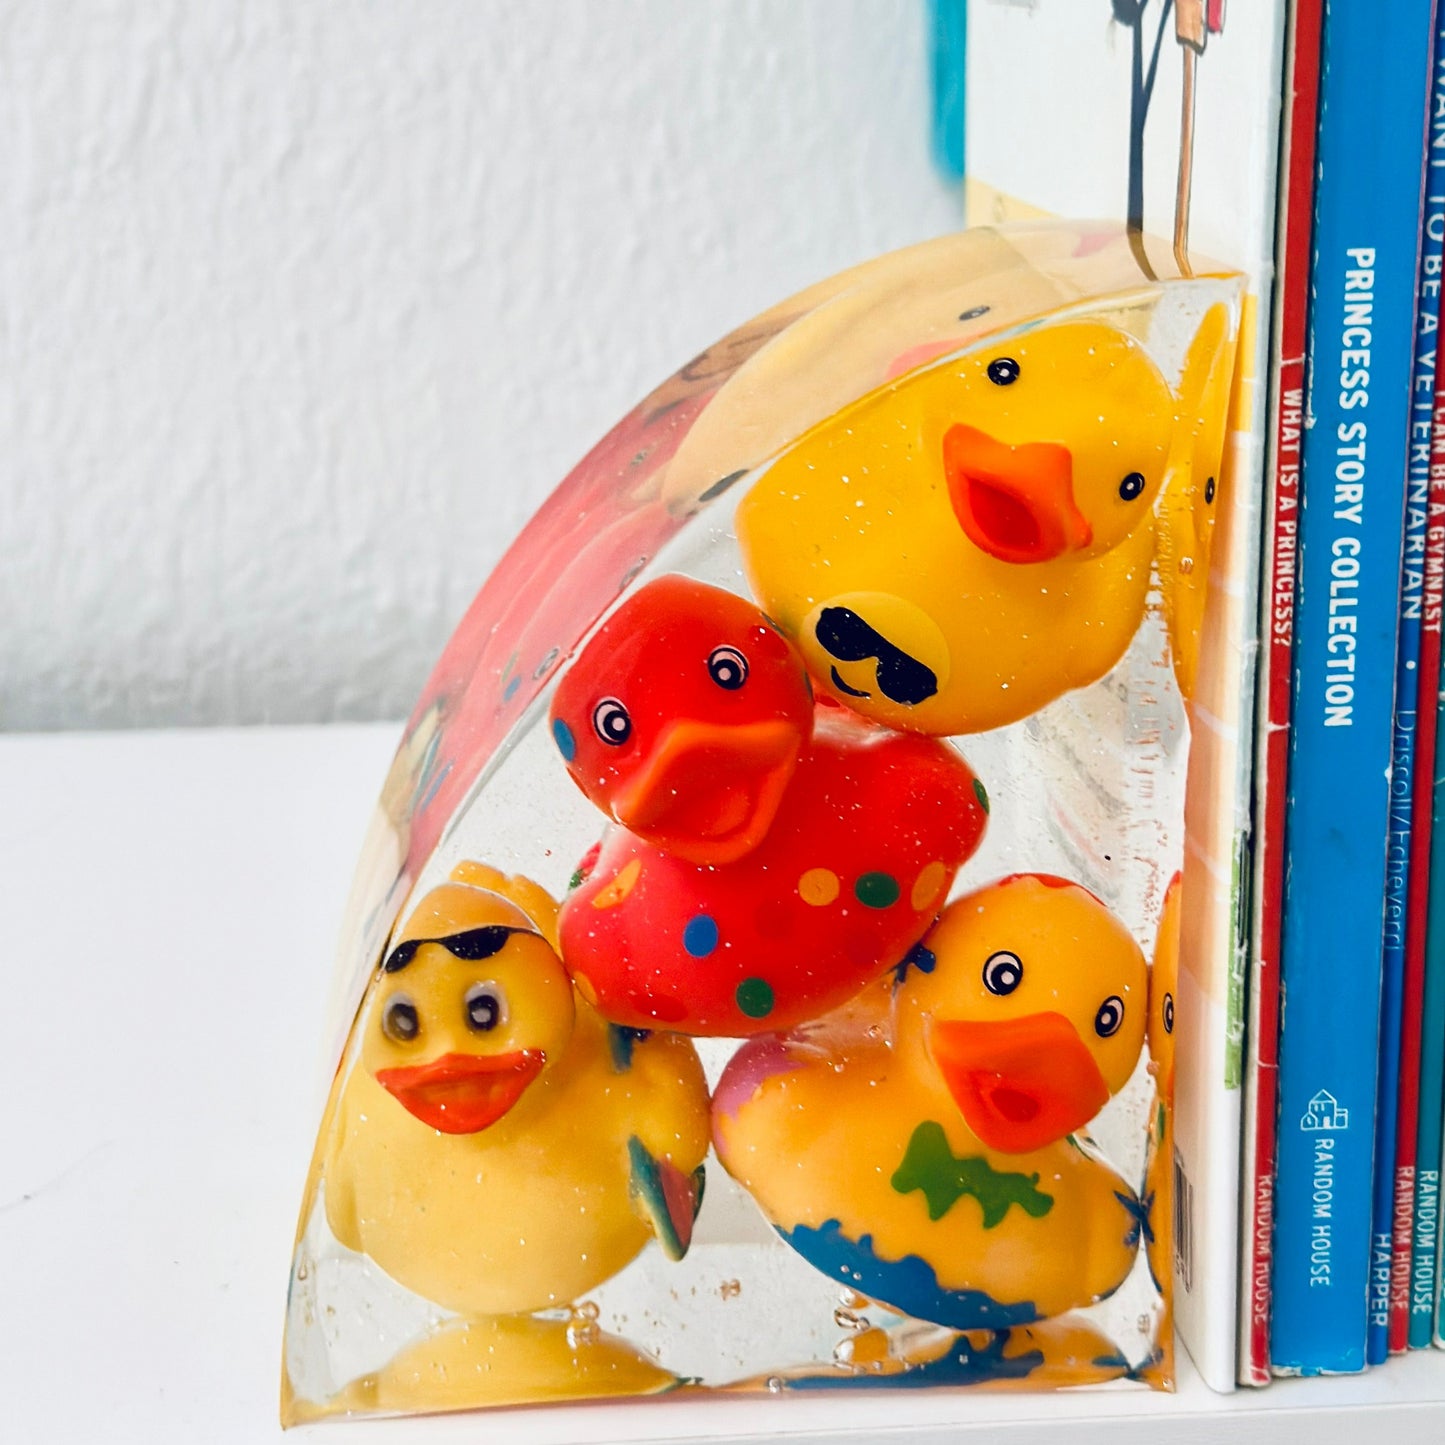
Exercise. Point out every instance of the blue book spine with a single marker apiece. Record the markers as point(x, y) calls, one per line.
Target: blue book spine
point(1373, 86)
point(1424, 1273)
point(1385, 1271)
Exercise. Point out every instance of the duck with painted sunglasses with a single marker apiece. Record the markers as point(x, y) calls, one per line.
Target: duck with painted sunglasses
point(974, 539)
point(497, 1148)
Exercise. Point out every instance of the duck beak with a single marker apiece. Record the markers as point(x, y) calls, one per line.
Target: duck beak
point(1019, 1083)
point(463, 1093)
point(709, 792)
point(1016, 503)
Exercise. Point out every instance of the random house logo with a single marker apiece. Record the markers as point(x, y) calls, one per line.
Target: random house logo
point(1324, 1115)
point(1324, 1118)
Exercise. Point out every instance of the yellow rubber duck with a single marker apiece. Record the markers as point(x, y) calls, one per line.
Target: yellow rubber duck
point(1193, 494)
point(465, 1364)
point(1158, 1196)
point(963, 545)
point(1051, 1355)
point(922, 1149)
point(496, 1147)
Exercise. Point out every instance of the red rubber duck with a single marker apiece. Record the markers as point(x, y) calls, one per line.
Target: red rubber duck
point(776, 863)
point(684, 717)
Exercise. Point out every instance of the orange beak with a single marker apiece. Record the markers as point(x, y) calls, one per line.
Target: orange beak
point(1019, 1083)
point(709, 792)
point(463, 1093)
point(1016, 503)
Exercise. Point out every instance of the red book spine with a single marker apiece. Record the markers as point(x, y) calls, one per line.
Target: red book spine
point(1297, 193)
point(1418, 898)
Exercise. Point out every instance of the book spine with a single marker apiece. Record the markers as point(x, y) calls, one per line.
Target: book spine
point(1427, 898)
point(1373, 86)
point(1296, 220)
point(1416, 682)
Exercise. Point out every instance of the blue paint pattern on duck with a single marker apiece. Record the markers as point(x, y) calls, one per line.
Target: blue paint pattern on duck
point(1140, 1222)
point(960, 1364)
point(621, 1041)
point(908, 1284)
point(919, 957)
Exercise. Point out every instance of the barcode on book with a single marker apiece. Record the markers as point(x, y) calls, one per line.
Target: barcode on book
point(1183, 1225)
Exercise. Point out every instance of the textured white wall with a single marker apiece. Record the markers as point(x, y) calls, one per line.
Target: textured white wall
point(305, 307)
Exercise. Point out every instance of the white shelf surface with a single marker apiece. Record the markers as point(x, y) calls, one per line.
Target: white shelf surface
point(171, 901)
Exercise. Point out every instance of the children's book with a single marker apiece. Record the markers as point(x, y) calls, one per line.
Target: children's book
point(1370, 154)
point(1167, 117)
point(1427, 887)
point(1291, 314)
point(1410, 785)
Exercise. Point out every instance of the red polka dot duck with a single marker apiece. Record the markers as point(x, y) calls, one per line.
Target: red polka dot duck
point(684, 719)
point(766, 870)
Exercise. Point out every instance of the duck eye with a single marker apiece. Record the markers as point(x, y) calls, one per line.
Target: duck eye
point(1109, 1017)
point(1131, 486)
point(399, 1019)
point(1003, 973)
point(727, 667)
point(611, 722)
point(1003, 371)
point(973, 313)
point(484, 1006)
point(1209, 492)
point(1168, 1013)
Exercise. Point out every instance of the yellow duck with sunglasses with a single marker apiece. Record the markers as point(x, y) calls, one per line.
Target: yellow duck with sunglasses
point(962, 546)
point(497, 1147)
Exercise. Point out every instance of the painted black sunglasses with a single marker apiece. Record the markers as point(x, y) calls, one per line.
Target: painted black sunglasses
point(471, 945)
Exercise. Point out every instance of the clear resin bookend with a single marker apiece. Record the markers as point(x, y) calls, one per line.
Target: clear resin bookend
point(747, 979)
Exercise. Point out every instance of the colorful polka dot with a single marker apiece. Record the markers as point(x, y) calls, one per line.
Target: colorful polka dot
point(981, 793)
point(877, 890)
point(562, 736)
point(754, 997)
point(819, 887)
point(700, 936)
point(927, 886)
point(620, 886)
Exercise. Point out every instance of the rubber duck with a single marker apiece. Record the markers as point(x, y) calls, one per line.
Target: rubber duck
point(932, 1160)
point(497, 1148)
point(1192, 497)
point(873, 323)
point(862, 850)
point(469, 1364)
point(683, 719)
point(962, 546)
point(1158, 1193)
point(1050, 1355)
